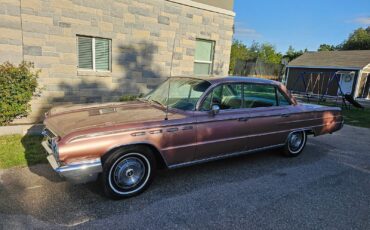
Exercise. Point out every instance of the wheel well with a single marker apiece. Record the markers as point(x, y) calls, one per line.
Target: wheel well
point(161, 164)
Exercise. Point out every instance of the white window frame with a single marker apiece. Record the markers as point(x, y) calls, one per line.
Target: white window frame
point(207, 62)
point(93, 54)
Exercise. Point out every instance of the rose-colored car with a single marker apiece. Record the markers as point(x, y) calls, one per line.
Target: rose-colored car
point(203, 120)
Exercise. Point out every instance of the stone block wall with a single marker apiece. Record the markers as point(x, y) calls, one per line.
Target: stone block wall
point(143, 33)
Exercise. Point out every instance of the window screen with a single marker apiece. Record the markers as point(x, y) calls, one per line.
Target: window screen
point(204, 51)
point(85, 53)
point(102, 56)
point(94, 53)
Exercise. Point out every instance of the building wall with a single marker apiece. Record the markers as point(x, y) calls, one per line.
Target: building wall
point(224, 4)
point(143, 33)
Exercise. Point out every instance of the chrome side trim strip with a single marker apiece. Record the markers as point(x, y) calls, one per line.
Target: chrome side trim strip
point(171, 130)
point(187, 127)
point(309, 128)
point(223, 156)
point(122, 131)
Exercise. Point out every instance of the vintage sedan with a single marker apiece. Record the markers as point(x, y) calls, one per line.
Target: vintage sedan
point(184, 121)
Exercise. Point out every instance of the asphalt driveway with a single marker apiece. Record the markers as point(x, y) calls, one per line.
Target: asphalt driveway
point(327, 187)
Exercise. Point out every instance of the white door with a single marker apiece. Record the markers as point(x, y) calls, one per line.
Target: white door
point(346, 83)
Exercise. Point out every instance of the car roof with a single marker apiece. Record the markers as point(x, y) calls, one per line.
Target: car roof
point(243, 79)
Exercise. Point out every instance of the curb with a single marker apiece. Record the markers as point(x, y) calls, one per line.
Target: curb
point(35, 129)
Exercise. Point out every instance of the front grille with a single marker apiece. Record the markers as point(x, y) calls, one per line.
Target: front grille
point(48, 134)
point(50, 137)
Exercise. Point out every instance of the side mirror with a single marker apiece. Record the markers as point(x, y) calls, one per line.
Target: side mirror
point(215, 109)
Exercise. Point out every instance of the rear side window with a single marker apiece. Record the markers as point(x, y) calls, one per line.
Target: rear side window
point(259, 96)
point(235, 96)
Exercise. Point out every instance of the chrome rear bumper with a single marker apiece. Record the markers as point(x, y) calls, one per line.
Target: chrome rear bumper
point(77, 172)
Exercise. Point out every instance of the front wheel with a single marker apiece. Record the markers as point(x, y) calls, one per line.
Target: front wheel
point(295, 143)
point(128, 172)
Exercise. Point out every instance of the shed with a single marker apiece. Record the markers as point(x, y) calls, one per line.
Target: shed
point(330, 73)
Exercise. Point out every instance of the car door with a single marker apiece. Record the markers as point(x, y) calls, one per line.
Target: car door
point(221, 133)
point(269, 116)
point(178, 138)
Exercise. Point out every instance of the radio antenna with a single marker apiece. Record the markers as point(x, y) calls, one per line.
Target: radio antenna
point(169, 79)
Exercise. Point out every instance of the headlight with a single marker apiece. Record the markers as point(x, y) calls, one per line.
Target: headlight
point(54, 146)
point(55, 149)
point(51, 138)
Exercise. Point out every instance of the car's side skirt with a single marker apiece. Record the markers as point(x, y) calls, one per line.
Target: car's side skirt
point(224, 156)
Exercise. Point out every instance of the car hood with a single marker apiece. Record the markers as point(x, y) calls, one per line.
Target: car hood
point(64, 120)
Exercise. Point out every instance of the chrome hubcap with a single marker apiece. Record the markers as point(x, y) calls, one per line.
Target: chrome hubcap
point(296, 141)
point(129, 172)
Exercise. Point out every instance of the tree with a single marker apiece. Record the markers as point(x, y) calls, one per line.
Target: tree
point(264, 52)
point(17, 86)
point(358, 40)
point(291, 53)
point(239, 51)
point(267, 53)
point(326, 47)
point(254, 50)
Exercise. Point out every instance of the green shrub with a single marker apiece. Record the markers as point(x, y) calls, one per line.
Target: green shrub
point(129, 97)
point(17, 86)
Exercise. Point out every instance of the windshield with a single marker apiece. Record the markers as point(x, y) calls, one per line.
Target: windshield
point(184, 93)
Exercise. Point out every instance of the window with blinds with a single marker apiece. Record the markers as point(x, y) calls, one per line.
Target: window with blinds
point(203, 63)
point(94, 53)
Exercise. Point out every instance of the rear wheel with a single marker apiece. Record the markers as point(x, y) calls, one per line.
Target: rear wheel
point(128, 172)
point(295, 143)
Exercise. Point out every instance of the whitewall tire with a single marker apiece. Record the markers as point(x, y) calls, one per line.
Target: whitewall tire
point(295, 143)
point(128, 172)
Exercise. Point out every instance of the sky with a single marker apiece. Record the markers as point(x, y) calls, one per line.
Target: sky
point(302, 24)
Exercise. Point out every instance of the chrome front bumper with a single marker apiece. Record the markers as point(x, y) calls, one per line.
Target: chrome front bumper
point(76, 172)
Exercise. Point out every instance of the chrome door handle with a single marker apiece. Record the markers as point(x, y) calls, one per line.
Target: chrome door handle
point(285, 115)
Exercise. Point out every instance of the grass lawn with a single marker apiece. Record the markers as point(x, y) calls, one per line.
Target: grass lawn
point(357, 117)
point(353, 116)
point(17, 150)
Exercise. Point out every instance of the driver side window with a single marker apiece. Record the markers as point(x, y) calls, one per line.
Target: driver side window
point(227, 96)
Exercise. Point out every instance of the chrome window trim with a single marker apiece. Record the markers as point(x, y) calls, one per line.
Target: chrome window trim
point(201, 100)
